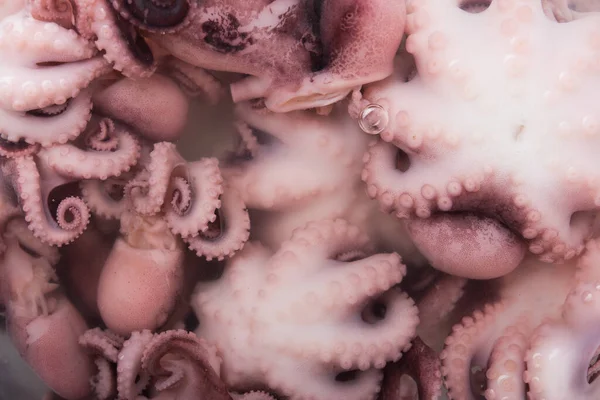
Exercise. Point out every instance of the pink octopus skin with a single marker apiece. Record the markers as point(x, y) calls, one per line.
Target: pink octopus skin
point(497, 350)
point(41, 102)
point(323, 154)
point(43, 325)
point(141, 277)
point(275, 43)
point(154, 106)
point(455, 156)
point(289, 320)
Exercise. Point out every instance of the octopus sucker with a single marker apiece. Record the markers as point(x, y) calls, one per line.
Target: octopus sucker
point(45, 129)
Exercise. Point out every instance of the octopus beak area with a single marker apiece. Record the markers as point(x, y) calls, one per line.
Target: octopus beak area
point(468, 245)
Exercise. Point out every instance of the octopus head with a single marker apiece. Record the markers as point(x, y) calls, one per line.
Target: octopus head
point(498, 171)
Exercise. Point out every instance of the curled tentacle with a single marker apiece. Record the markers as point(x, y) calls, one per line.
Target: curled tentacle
point(72, 213)
point(18, 149)
point(186, 367)
point(148, 191)
point(73, 162)
point(105, 347)
point(187, 218)
point(45, 127)
point(227, 233)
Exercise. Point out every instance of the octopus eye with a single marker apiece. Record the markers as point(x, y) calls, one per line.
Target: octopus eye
point(159, 13)
point(475, 6)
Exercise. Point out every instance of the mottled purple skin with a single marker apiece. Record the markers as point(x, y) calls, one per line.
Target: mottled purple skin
point(280, 49)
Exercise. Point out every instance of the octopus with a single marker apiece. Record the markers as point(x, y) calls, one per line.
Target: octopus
point(40, 177)
point(455, 140)
point(297, 54)
point(44, 72)
point(542, 311)
point(325, 282)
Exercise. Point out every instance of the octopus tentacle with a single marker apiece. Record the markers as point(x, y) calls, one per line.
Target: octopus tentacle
point(32, 197)
point(148, 193)
point(226, 234)
point(123, 47)
point(59, 63)
point(318, 278)
point(103, 139)
point(61, 12)
point(185, 364)
point(47, 129)
point(132, 378)
point(505, 366)
point(189, 218)
point(105, 345)
point(19, 149)
point(568, 344)
point(70, 161)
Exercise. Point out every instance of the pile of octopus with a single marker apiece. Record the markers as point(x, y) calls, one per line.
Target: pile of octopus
point(301, 199)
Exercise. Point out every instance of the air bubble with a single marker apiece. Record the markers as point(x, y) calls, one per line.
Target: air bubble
point(373, 119)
